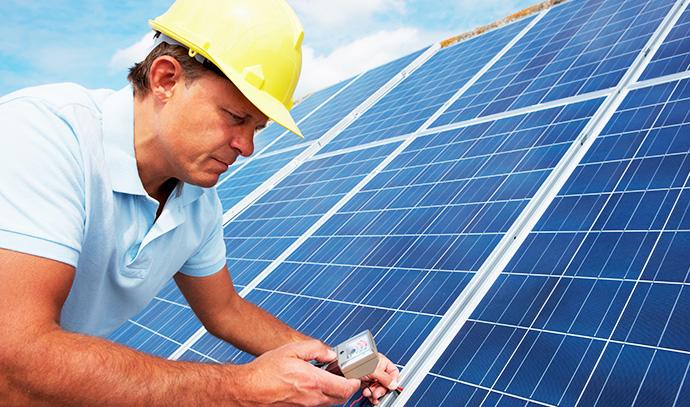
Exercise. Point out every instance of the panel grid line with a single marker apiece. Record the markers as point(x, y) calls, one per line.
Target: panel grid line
point(490, 390)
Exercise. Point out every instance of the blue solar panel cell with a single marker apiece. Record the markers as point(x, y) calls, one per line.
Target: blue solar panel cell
point(680, 217)
point(646, 314)
point(401, 349)
point(665, 263)
point(666, 374)
point(673, 56)
point(571, 306)
point(676, 333)
point(622, 368)
point(243, 181)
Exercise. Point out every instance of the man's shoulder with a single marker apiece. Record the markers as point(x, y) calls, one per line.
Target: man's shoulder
point(60, 95)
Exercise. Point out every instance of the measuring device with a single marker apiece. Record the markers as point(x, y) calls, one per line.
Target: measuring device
point(357, 357)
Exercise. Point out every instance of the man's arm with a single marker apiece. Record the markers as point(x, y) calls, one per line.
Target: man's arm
point(228, 316)
point(42, 365)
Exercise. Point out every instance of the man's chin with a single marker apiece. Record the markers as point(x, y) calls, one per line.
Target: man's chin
point(206, 182)
point(209, 184)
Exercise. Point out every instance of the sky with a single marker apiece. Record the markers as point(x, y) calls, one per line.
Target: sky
point(94, 42)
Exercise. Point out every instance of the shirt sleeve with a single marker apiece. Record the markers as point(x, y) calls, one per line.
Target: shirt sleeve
point(210, 258)
point(42, 182)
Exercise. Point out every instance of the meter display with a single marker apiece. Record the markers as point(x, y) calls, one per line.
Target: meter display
point(357, 357)
point(358, 347)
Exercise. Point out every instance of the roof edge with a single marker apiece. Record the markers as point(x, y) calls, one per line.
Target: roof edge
point(500, 23)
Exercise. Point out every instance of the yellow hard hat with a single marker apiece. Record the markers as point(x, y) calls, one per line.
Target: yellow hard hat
point(256, 43)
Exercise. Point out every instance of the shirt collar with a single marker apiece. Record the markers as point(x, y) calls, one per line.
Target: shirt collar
point(118, 139)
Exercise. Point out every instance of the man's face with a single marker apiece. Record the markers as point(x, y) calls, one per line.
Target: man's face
point(204, 126)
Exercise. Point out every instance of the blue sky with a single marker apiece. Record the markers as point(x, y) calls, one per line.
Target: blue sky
point(93, 42)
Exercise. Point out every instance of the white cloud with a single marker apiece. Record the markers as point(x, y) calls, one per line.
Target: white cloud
point(125, 58)
point(319, 72)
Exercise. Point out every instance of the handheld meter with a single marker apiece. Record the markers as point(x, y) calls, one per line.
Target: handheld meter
point(357, 357)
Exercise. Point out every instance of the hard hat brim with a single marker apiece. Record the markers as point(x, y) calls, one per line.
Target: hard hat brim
point(268, 105)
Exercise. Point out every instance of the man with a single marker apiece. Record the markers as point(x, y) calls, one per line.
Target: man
point(105, 195)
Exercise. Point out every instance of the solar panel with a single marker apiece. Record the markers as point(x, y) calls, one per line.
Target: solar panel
point(407, 107)
point(593, 308)
point(674, 54)
point(507, 215)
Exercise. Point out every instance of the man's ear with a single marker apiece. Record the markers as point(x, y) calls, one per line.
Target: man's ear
point(164, 76)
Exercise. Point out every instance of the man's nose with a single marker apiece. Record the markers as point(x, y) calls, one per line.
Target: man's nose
point(244, 143)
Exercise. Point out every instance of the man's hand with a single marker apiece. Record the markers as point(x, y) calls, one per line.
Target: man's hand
point(284, 376)
point(386, 378)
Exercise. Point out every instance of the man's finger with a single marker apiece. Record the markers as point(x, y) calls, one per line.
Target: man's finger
point(386, 374)
point(374, 392)
point(310, 350)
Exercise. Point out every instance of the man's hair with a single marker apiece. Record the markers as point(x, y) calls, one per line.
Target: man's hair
point(191, 68)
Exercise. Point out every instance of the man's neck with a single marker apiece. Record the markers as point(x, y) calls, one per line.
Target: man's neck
point(163, 194)
point(156, 185)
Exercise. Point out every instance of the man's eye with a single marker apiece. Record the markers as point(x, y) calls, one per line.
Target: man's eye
point(233, 116)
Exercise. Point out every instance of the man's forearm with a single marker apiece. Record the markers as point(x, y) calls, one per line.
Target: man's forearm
point(256, 331)
point(228, 316)
point(60, 368)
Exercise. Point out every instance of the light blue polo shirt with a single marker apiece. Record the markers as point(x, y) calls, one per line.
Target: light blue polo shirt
point(70, 191)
